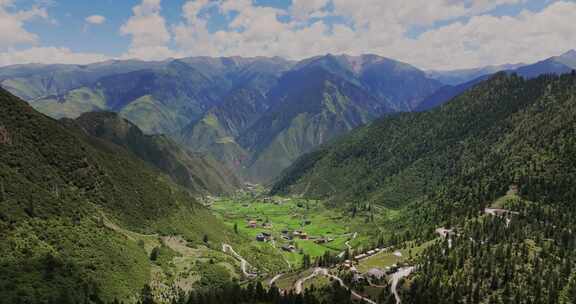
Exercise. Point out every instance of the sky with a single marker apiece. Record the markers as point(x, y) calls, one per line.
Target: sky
point(430, 34)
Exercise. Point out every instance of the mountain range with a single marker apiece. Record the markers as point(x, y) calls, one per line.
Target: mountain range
point(461, 80)
point(255, 115)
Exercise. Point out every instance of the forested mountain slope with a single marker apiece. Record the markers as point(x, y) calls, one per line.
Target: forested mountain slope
point(60, 190)
point(415, 153)
point(200, 173)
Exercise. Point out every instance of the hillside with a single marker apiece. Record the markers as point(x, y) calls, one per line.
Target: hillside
point(62, 196)
point(197, 172)
point(400, 159)
point(313, 107)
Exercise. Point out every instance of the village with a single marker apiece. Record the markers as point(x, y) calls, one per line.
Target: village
point(285, 234)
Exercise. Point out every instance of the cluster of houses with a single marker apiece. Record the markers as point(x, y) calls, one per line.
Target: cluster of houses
point(351, 264)
point(286, 234)
point(373, 273)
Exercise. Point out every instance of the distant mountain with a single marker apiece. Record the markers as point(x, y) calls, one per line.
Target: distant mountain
point(33, 81)
point(67, 203)
point(261, 131)
point(399, 85)
point(159, 97)
point(568, 59)
point(446, 93)
point(312, 106)
point(197, 172)
point(562, 64)
point(554, 65)
point(457, 77)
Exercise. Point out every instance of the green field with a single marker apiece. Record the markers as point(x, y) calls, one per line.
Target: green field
point(309, 216)
point(388, 258)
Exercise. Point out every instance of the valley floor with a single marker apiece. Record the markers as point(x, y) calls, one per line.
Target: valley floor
point(286, 238)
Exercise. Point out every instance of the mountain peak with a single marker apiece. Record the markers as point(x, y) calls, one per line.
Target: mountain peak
point(570, 54)
point(568, 59)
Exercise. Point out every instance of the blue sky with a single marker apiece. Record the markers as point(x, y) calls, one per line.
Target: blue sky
point(434, 34)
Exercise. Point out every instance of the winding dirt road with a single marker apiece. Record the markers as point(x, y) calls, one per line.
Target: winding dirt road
point(243, 263)
point(347, 243)
point(323, 271)
point(317, 271)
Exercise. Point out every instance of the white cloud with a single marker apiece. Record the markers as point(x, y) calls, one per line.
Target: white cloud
point(253, 31)
point(12, 31)
point(529, 37)
point(376, 26)
point(48, 55)
point(95, 19)
point(470, 35)
point(148, 31)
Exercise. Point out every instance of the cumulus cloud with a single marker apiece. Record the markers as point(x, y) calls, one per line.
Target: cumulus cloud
point(435, 34)
point(95, 19)
point(12, 31)
point(486, 39)
point(148, 31)
point(252, 31)
point(470, 37)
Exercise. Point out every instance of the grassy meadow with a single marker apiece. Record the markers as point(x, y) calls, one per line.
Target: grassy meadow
point(277, 214)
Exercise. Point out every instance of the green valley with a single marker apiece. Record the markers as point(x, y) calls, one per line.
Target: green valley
point(257, 152)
